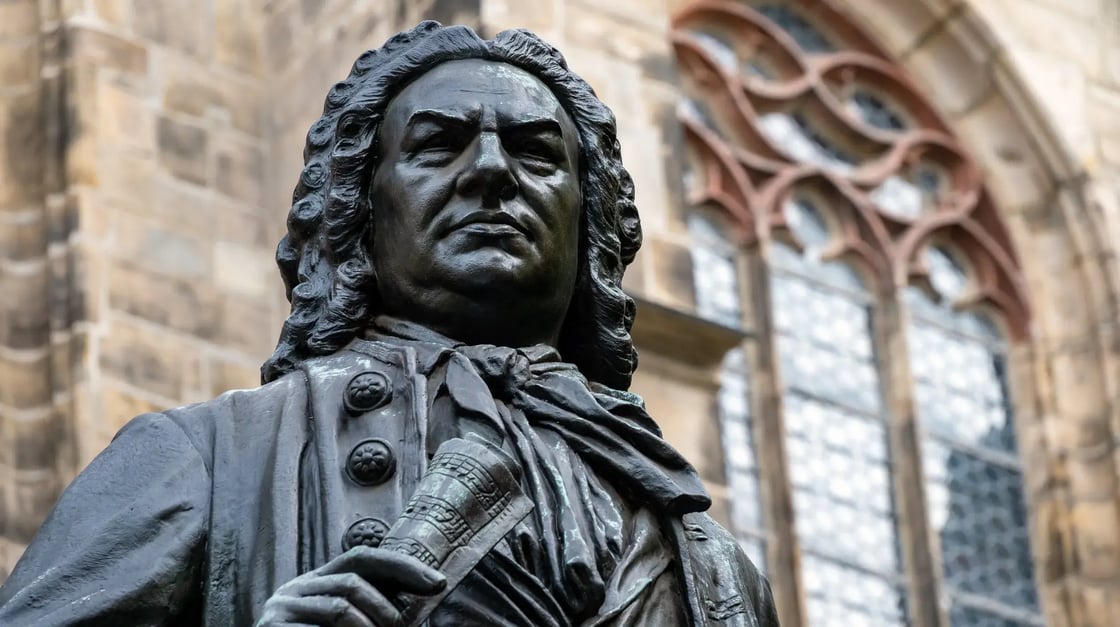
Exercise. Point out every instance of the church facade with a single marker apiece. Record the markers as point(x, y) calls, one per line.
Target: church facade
point(878, 296)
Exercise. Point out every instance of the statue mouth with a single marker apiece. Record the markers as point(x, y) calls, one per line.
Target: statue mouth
point(491, 224)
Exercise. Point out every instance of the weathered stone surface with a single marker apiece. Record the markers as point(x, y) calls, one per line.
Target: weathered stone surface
point(183, 150)
point(19, 64)
point(1096, 525)
point(23, 381)
point(670, 279)
point(237, 37)
point(24, 322)
point(243, 270)
point(228, 375)
point(18, 19)
point(184, 25)
point(191, 88)
point(239, 169)
point(104, 50)
point(21, 150)
point(179, 304)
point(148, 357)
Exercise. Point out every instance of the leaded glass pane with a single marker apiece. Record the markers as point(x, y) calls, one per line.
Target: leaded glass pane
point(806, 222)
point(874, 111)
point(928, 179)
point(974, 482)
point(898, 197)
point(739, 455)
point(945, 273)
point(714, 272)
point(840, 596)
point(836, 439)
point(718, 47)
point(793, 134)
point(839, 471)
point(962, 614)
point(809, 38)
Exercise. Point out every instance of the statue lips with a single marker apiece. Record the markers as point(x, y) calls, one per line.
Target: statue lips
point(492, 223)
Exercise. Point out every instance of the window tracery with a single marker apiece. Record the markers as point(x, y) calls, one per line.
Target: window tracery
point(829, 166)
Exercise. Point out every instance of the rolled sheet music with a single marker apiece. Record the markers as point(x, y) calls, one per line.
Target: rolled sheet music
point(468, 500)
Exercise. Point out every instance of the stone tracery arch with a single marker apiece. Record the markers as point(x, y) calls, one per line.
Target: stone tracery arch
point(1011, 186)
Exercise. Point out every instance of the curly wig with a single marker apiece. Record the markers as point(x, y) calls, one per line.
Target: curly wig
point(326, 260)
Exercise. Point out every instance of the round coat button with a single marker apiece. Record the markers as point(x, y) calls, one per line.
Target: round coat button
point(371, 462)
point(365, 532)
point(366, 392)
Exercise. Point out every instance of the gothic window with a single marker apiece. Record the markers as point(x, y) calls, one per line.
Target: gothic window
point(837, 219)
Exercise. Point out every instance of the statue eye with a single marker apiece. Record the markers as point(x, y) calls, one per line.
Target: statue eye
point(443, 141)
point(536, 152)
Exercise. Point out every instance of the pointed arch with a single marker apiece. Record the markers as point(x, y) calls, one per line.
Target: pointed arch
point(818, 104)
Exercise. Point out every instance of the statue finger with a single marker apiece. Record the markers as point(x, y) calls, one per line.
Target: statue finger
point(355, 589)
point(379, 566)
point(322, 611)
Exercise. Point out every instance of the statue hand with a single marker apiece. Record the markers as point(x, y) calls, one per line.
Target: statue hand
point(352, 590)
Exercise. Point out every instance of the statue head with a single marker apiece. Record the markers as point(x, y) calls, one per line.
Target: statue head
point(344, 227)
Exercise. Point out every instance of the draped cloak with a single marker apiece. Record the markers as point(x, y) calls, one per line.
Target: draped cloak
point(194, 516)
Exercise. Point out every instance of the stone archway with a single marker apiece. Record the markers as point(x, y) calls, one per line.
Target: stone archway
point(1066, 375)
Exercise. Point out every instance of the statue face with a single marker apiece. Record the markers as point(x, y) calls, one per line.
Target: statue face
point(476, 191)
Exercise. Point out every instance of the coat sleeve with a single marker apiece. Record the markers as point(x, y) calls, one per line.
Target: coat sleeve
point(125, 543)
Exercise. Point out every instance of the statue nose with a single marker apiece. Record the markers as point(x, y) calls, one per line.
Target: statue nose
point(489, 175)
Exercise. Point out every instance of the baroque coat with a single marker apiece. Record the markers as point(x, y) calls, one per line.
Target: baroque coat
point(194, 516)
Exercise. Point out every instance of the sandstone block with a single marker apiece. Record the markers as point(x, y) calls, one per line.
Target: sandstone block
point(124, 119)
point(239, 169)
point(244, 270)
point(36, 443)
point(228, 375)
point(238, 33)
point(21, 151)
point(119, 406)
point(115, 12)
point(185, 305)
point(19, 64)
point(24, 309)
point(24, 382)
point(161, 248)
point(32, 495)
point(23, 235)
point(670, 280)
point(148, 357)
point(192, 88)
point(183, 150)
point(183, 25)
point(248, 326)
point(18, 19)
point(1096, 526)
point(105, 50)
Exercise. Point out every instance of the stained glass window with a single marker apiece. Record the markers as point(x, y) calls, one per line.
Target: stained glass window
point(835, 166)
point(740, 460)
point(873, 110)
point(836, 434)
point(973, 477)
point(807, 37)
point(713, 271)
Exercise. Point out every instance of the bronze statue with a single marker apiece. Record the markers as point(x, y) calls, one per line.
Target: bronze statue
point(443, 435)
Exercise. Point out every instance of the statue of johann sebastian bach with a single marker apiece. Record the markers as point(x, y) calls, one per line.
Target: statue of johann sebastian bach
point(444, 435)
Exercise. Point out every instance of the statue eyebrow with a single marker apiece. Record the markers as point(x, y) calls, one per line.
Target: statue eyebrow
point(533, 126)
point(538, 126)
point(442, 118)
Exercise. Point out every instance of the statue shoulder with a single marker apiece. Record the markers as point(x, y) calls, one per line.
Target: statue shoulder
point(729, 587)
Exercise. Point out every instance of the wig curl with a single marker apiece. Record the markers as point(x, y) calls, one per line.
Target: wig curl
point(325, 258)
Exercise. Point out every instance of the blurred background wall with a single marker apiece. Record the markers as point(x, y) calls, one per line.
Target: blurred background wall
point(878, 294)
